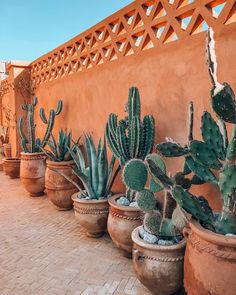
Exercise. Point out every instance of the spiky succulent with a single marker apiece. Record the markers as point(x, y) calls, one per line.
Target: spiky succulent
point(98, 175)
point(31, 144)
point(59, 150)
point(214, 152)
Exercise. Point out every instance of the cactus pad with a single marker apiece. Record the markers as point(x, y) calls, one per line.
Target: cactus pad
point(172, 149)
point(135, 174)
point(212, 136)
point(167, 228)
point(152, 222)
point(146, 200)
point(204, 154)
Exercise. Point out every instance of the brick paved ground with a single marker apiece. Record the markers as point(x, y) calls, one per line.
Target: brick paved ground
point(45, 252)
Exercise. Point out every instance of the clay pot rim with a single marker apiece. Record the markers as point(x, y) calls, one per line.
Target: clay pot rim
point(210, 236)
point(11, 160)
point(62, 163)
point(75, 198)
point(137, 240)
point(113, 203)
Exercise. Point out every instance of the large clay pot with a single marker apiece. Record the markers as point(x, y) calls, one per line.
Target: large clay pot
point(32, 173)
point(11, 167)
point(122, 220)
point(159, 268)
point(60, 190)
point(210, 262)
point(91, 215)
point(7, 150)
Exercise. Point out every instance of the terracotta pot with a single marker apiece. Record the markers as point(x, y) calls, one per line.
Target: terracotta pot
point(122, 220)
point(12, 167)
point(60, 190)
point(32, 173)
point(91, 215)
point(7, 150)
point(159, 268)
point(210, 262)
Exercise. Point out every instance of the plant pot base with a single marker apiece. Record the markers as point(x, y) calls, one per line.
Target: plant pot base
point(63, 209)
point(95, 235)
point(35, 195)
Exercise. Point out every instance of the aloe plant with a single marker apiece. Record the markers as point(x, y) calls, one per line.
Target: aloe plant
point(98, 175)
point(60, 149)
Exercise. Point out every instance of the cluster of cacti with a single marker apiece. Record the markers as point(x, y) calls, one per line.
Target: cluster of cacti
point(214, 152)
point(135, 177)
point(59, 151)
point(98, 175)
point(31, 144)
point(131, 138)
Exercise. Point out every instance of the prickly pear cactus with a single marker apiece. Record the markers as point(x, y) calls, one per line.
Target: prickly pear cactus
point(215, 152)
point(29, 143)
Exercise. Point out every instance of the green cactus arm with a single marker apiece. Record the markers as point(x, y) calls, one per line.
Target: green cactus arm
point(133, 103)
point(112, 125)
point(172, 149)
point(202, 153)
point(42, 116)
point(201, 171)
point(212, 136)
point(112, 142)
point(231, 149)
point(122, 144)
point(190, 204)
point(134, 136)
point(49, 127)
point(147, 136)
point(31, 129)
point(23, 139)
point(59, 107)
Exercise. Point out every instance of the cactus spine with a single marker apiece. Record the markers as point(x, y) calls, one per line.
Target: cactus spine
point(31, 144)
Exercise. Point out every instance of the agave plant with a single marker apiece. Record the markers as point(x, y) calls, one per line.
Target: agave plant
point(59, 151)
point(4, 134)
point(98, 175)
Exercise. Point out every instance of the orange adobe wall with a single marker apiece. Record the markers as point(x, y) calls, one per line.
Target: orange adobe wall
point(148, 44)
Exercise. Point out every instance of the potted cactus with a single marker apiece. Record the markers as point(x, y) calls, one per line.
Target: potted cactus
point(5, 145)
point(91, 203)
point(127, 139)
point(211, 236)
point(33, 160)
point(158, 245)
point(59, 190)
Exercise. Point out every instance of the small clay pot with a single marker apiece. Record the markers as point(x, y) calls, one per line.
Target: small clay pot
point(7, 150)
point(60, 190)
point(32, 173)
point(122, 220)
point(11, 167)
point(91, 215)
point(210, 262)
point(159, 268)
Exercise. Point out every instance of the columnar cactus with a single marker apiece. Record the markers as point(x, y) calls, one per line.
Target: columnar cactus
point(31, 144)
point(214, 152)
point(131, 138)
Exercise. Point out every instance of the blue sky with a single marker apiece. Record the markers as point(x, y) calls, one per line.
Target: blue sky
point(30, 28)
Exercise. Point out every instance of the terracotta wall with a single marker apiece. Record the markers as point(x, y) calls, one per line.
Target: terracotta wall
point(92, 74)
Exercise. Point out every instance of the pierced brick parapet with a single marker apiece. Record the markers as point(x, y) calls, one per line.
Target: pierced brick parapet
point(142, 25)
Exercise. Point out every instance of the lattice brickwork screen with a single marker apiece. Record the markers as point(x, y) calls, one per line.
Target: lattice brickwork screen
point(142, 25)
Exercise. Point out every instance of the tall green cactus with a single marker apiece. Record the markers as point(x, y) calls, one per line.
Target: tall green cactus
point(29, 143)
point(130, 138)
point(214, 152)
